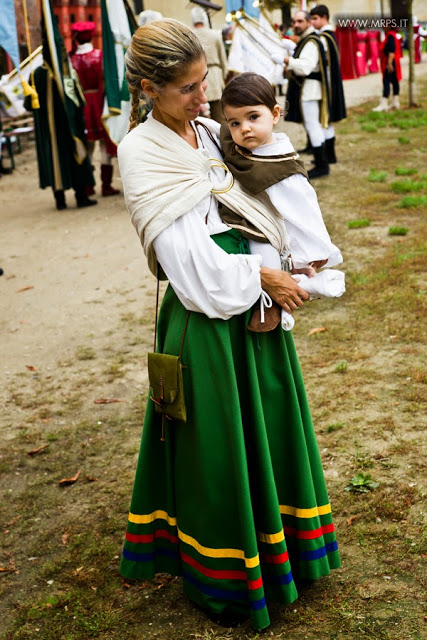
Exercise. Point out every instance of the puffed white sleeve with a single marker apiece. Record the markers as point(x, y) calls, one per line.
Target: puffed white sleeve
point(204, 277)
point(296, 200)
point(306, 62)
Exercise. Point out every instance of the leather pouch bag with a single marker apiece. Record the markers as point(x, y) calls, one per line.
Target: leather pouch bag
point(166, 380)
point(167, 387)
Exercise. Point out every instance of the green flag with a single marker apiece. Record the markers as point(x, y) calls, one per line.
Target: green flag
point(118, 26)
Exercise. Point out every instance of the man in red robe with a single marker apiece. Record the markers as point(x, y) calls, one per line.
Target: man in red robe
point(391, 53)
point(87, 61)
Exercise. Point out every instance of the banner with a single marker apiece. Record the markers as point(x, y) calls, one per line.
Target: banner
point(8, 35)
point(11, 91)
point(238, 5)
point(254, 48)
point(57, 60)
point(117, 31)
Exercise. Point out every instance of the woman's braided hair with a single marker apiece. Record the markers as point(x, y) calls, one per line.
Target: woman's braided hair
point(160, 52)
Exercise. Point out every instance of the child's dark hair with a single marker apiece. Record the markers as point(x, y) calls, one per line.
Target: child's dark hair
point(248, 90)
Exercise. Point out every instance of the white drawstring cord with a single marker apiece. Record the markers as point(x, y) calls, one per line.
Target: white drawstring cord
point(264, 302)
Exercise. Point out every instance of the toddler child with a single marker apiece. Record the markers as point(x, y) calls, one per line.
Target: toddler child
point(262, 160)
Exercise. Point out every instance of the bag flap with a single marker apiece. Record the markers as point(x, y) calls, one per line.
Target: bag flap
point(163, 375)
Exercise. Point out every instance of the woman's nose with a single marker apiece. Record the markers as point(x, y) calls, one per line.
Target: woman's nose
point(201, 96)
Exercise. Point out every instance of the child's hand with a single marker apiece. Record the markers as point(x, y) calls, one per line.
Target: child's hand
point(318, 264)
point(307, 271)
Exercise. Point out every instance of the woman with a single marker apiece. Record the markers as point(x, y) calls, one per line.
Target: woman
point(234, 500)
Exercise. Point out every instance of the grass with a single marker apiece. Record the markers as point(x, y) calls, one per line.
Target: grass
point(358, 224)
point(365, 380)
point(406, 186)
point(413, 201)
point(403, 171)
point(377, 176)
point(398, 231)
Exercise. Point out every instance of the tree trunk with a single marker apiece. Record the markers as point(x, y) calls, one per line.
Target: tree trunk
point(411, 81)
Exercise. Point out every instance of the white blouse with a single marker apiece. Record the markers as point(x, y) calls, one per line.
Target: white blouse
point(204, 277)
point(296, 200)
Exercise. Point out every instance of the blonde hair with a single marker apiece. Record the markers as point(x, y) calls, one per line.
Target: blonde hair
point(160, 52)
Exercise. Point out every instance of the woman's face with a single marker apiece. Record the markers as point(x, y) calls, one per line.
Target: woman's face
point(181, 100)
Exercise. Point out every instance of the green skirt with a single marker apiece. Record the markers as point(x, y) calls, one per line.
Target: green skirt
point(235, 499)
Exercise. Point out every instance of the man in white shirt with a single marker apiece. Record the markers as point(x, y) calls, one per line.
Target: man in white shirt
point(320, 21)
point(308, 95)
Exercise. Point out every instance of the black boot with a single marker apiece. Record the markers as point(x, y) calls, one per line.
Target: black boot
point(82, 199)
point(308, 147)
point(4, 170)
point(321, 165)
point(60, 199)
point(330, 151)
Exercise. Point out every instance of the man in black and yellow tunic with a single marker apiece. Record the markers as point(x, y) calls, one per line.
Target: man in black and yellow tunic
point(308, 92)
point(62, 153)
point(320, 21)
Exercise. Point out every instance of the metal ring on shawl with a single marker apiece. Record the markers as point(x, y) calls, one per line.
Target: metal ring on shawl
point(218, 163)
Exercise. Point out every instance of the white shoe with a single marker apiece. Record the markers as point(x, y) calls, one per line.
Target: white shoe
point(383, 105)
point(395, 102)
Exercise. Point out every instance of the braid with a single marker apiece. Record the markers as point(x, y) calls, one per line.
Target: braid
point(133, 118)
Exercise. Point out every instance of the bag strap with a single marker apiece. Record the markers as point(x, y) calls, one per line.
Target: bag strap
point(157, 315)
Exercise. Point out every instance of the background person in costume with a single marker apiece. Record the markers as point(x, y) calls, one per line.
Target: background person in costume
point(308, 93)
point(391, 70)
point(216, 59)
point(320, 21)
point(263, 160)
point(62, 154)
point(3, 170)
point(148, 16)
point(88, 63)
point(234, 499)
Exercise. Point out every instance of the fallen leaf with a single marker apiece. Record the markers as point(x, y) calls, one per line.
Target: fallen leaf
point(317, 330)
point(34, 451)
point(6, 531)
point(7, 569)
point(31, 368)
point(107, 400)
point(91, 479)
point(24, 288)
point(11, 522)
point(65, 537)
point(351, 520)
point(66, 481)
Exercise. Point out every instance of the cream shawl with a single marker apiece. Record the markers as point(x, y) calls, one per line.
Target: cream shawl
point(164, 178)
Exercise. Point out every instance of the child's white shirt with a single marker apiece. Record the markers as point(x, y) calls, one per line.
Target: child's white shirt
point(296, 200)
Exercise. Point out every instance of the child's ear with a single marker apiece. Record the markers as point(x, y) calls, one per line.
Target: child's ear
point(276, 113)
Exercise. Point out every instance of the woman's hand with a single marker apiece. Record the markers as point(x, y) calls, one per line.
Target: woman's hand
point(283, 289)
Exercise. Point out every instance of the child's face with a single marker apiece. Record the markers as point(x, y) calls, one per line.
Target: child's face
point(251, 127)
